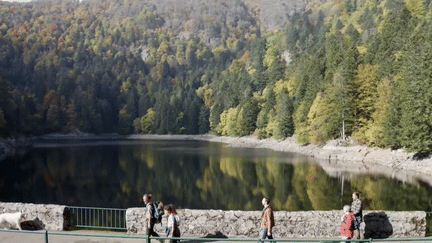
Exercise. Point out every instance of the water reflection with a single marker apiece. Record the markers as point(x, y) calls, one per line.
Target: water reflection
point(193, 174)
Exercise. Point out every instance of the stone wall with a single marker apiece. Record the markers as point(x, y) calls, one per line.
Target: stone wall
point(52, 216)
point(219, 223)
point(308, 224)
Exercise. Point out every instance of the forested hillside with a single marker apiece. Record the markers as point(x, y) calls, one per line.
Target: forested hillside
point(313, 69)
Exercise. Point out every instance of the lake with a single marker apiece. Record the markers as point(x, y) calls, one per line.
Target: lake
point(194, 174)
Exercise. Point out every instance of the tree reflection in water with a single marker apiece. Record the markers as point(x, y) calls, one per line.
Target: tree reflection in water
point(193, 174)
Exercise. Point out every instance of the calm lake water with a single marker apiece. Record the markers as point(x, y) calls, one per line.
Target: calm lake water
point(193, 174)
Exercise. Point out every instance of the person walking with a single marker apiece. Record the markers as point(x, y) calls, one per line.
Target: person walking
point(173, 222)
point(149, 215)
point(267, 220)
point(346, 226)
point(356, 207)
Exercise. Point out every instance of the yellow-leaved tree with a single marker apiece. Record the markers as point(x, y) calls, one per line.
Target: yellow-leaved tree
point(365, 86)
point(227, 125)
point(322, 119)
point(375, 130)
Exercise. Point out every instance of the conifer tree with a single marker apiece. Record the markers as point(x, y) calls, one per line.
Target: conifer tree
point(342, 90)
point(266, 107)
point(203, 120)
point(214, 119)
point(125, 121)
point(416, 105)
point(246, 121)
point(2, 120)
point(392, 128)
point(284, 126)
point(334, 53)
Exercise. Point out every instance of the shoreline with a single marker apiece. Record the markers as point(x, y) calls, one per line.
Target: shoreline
point(335, 158)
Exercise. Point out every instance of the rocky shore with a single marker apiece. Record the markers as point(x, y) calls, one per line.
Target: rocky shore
point(335, 157)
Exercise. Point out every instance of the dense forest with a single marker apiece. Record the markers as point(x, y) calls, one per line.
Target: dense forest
point(316, 70)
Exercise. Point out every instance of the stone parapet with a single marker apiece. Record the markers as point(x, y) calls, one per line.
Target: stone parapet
point(245, 224)
point(52, 216)
point(306, 224)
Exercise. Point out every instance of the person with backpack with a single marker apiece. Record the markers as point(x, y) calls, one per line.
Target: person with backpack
point(173, 222)
point(347, 224)
point(152, 215)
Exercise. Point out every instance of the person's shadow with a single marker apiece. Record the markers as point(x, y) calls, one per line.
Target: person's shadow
point(377, 226)
point(217, 234)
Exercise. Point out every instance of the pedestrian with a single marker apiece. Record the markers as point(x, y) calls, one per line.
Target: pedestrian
point(149, 215)
point(267, 220)
point(346, 226)
point(173, 222)
point(356, 207)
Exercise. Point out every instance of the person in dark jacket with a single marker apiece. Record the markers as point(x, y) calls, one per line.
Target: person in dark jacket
point(356, 207)
point(149, 212)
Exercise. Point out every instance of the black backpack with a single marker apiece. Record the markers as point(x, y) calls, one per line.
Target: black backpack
point(157, 214)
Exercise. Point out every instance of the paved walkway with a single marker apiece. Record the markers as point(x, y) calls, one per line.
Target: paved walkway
point(39, 237)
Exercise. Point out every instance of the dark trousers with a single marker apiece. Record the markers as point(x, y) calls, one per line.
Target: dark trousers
point(150, 231)
point(175, 241)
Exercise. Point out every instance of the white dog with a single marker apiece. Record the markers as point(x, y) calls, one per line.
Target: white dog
point(11, 220)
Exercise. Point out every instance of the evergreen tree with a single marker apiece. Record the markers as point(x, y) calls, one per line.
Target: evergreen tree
point(392, 128)
point(8, 107)
point(214, 119)
point(284, 121)
point(246, 121)
point(71, 117)
point(342, 90)
point(192, 115)
point(2, 119)
point(125, 121)
point(97, 125)
point(416, 95)
point(268, 104)
point(165, 117)
point(334, 54)
point(203, 120)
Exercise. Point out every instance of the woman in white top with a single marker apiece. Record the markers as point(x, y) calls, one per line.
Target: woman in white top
point(173, 223)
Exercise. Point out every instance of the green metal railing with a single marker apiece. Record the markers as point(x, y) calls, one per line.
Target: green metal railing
point(428, 223)
point(189, 239)
point(98, 218)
